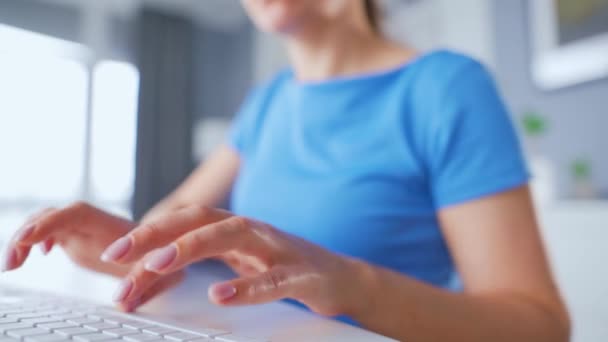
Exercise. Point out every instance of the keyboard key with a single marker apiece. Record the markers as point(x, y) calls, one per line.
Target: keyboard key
point(66, 316)
point(235, 338)
point(101, 326)
point(6, 307)
point(82, 320)
point(158, 330)
point(56, 325)
point(204, 339)
point(84, 307)
point(182, 336)
point(119, 332)
point(40, 320)
point(37, 307)
point(208, 332)
point(22, 333)
point(46, 338)
point(73, 331)
point(4, 313)
point(141, 338)
point(8, 320)
point(92, 337)
point(54, 312)
point(135, 324)
point(8, 339)
point(25, 315)
point(106, 317)
point(12, 326)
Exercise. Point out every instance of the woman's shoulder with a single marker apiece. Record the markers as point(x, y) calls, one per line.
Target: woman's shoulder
point(445, 76)
point(444, 66)
point(450, 88)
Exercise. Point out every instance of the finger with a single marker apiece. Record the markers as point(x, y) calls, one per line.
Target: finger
point(269, 286)
point(160, 232)
point(212, 240)
point(163, 285)
point(54, 222)
point(17, 253)
point(134, 285)
point(47, 245)
point(32, 218)
point(29, 225)
point(15, 257)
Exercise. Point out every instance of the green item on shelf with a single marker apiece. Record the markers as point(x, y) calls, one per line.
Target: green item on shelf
point(534, 124)
point(581, 169)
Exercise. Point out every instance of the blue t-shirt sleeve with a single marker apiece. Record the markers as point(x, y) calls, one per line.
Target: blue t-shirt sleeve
point(474, 150)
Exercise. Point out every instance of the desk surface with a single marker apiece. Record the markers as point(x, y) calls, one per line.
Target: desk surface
point(187, 305)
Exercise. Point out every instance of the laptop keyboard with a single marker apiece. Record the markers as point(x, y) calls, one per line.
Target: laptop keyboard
point(30, 317)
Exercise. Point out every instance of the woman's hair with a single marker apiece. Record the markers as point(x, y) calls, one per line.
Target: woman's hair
point(372, 12)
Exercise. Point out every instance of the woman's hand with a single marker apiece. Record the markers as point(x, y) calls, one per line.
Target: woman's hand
point(83, 232)
point(272, 264)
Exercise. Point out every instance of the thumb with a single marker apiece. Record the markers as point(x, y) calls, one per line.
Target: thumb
point(164, 284)
point(269, 286)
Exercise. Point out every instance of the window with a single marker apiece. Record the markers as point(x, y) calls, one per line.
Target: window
point(59, 141)
point(115, 87)
point(42, 125)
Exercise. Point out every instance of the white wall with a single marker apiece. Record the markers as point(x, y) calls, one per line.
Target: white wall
point(463, 25)
point(269, 56)
point(467, 25)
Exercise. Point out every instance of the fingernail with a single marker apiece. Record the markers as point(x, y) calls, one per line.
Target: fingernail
point(132, 305)
point(9, 259)
point(46, 248)
point(161, 259)
point(117, 250)
point(24, 233)
point(123, 291)
point(222, 292)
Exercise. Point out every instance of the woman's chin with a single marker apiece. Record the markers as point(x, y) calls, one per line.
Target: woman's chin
point(284, 28)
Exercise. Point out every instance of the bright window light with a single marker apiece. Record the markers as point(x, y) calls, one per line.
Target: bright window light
point(42, 127)
point(17, 41)
point(115, 95)
point(44, 150)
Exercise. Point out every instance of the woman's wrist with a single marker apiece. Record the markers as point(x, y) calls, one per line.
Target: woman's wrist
point(360, 290)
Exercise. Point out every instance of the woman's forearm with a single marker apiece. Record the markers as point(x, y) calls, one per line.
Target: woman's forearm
point(208, 185)
point(408, 310)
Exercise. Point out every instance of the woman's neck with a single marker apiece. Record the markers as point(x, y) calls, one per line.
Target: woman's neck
point(318, 55)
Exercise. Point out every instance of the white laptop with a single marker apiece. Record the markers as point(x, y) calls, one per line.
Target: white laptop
point(50, 300)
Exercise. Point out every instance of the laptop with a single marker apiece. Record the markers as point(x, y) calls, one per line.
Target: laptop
point(51, 300)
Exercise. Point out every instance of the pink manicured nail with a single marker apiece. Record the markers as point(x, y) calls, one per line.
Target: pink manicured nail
point(24, 233)
point(123, 291)
point(46, 247)
point(117, 250)
point(222, 292)
point(132, 305)
point(9, 259)
point(161, 259)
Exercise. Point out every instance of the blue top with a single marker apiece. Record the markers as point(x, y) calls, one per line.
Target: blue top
point(362, 165)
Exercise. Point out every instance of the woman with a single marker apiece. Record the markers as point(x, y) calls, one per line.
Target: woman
point(368, 174)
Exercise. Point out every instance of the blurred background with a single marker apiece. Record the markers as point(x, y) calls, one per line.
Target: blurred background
point(116, 101)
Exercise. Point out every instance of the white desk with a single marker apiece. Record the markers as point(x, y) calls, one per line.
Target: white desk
point(576, 235)
point(187, 304)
